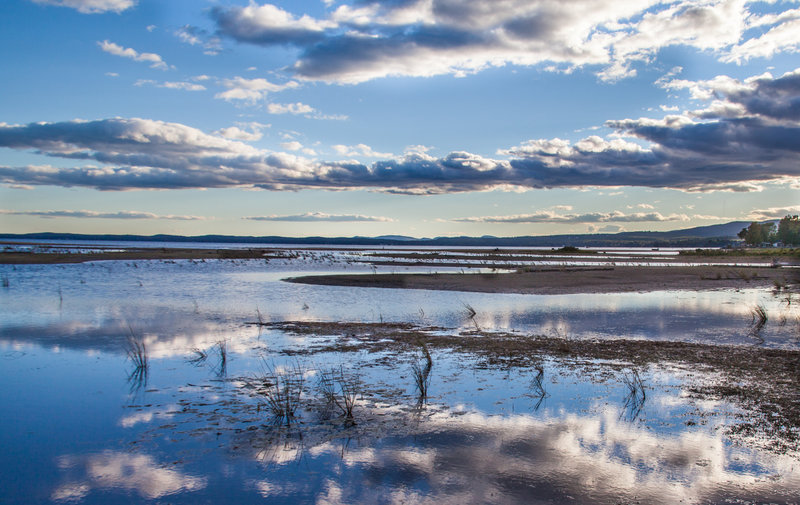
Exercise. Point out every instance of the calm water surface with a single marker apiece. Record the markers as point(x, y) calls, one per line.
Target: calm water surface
point(80, 429)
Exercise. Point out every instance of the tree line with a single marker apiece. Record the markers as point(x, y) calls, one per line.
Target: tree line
point(787, 231)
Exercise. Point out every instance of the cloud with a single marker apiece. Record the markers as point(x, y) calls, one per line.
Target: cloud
point(195, 36)
point(774, 213)
point(250, 90)
point(182, 85)
point(609, 228)
point(290, 108)
point(126, 52)
point(90, 214)
point(359, 150)
point(247, 132)
point(91, 6)
point(374, 38)
point(686, 152)
point(321, 216)
point(300, 108)
point(593, 217)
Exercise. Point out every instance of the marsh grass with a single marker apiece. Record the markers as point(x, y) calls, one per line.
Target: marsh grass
point(636, 396)
point(422, 374)
point(537, 386)
point(222, 363)
point(758, 321)
point(198, 358)
point(136, 350)
point(342, 390)
point(282, 390)
point(471, 313)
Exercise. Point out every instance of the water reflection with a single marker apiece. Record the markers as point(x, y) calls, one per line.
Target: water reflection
point(192, 304)
point(116, 471)
point(519, 459)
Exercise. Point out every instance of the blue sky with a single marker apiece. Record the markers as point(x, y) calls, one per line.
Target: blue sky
point(413, 117)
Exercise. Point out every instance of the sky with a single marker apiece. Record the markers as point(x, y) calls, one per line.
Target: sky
point(396, 117)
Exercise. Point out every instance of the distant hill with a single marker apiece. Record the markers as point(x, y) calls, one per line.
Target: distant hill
point(717, 235)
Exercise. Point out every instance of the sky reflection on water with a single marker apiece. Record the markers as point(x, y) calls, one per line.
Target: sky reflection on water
point(82, 433)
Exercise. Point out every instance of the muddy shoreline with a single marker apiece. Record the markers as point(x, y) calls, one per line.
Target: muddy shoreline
point(570, 280)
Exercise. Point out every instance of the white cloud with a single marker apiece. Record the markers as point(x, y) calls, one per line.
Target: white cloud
point(301, 109)
point(248, 132)
point(182, 85)
point(250, 90)
point(91, 6)
point(290, 108)
point(292, 146)
point(117, 50)
point(374, 39)
point(359, 150)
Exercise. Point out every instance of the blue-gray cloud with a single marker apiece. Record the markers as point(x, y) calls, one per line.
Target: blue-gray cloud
point(364, 40)
point(726, 151)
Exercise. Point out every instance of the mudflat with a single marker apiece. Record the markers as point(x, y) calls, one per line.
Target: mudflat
point(567, 280)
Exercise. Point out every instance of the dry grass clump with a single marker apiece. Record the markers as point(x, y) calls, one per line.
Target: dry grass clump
point(282, 389)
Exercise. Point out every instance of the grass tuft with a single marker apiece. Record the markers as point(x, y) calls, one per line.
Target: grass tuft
point(341, 390)
point(635, 399)
point(422, 374)
point(471, 313)
point(282, 390)
point(136, 351)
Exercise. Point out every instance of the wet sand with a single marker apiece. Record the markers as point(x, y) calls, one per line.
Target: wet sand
point(568, 280)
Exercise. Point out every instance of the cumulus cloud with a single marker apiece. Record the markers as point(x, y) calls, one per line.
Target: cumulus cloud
point(91, 214)
point(321, 216)
point(248, 132)
point(91, 6)
point(688, 152)
point(250, 90)
point(593, 217)
point(126, 52)
point(370, 39)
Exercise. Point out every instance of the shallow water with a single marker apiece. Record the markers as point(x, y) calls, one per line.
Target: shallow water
point(84, 430)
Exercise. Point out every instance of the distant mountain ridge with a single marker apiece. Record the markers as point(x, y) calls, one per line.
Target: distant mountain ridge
point(716, 235)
